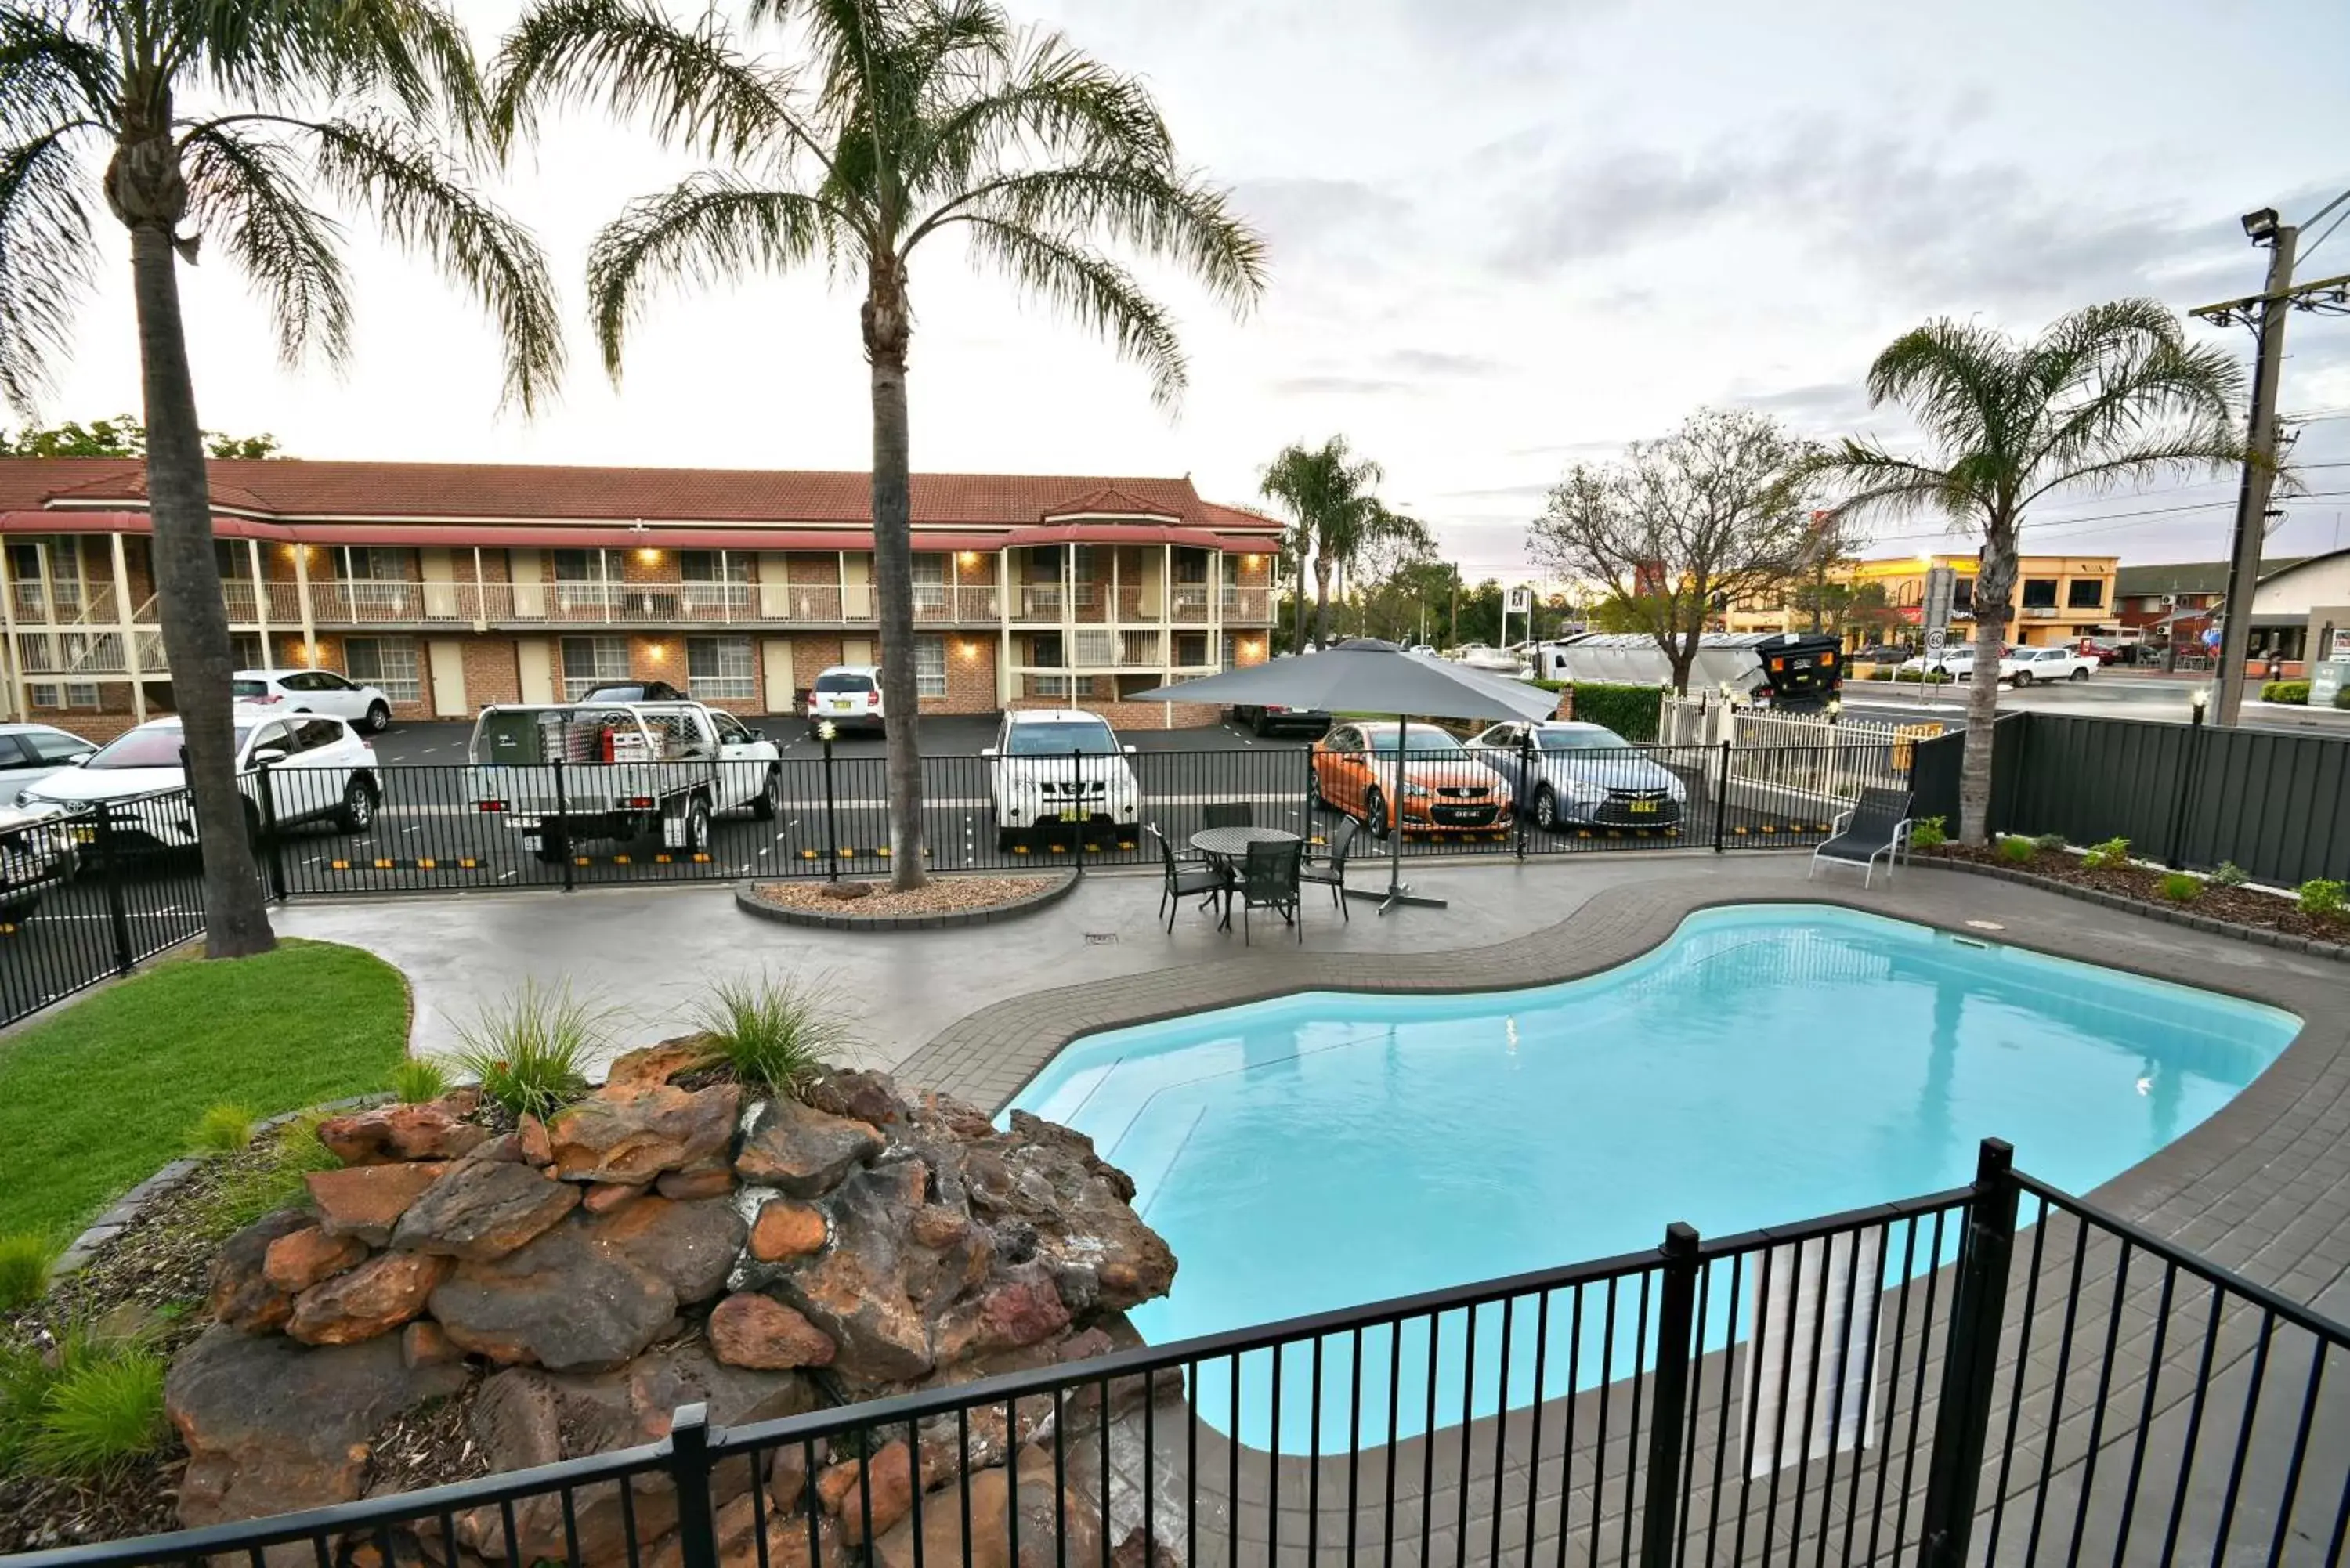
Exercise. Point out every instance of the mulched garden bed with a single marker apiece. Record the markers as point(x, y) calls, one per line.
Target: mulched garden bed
point(2237, 906)
point(939, 896)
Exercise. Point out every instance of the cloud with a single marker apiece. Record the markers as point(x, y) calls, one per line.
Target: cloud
point(1344, 386)
point(1538, 491)
point(1328, 219)
point(1434, 362)
point(1836, 403)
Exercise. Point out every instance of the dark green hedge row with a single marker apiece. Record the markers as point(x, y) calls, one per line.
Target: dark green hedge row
point(1632, 711)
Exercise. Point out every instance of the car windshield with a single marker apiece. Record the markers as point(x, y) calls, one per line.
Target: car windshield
point(148, 749)
point(1059, 739)
point(1424, 737)
point(844, 683)
point(1582, 740)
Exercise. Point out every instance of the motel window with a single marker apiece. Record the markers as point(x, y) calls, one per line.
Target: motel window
point(720, 668)
point(2039, 593)
point(1963, 594)
point(713, 566)
point(1191, 565)
point(385, 662)
point(2086, 593)
point(377, 565)
point(930, 582)
point(1232, 652)
point(930, 666)
point(590, 661)
point(42, 693)
point(229, 559)
point(1190, 648)
point(81, 693)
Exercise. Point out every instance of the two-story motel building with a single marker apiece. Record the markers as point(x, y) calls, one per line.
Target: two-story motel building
point(453, 586)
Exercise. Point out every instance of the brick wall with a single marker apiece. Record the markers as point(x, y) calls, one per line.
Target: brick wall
point(970, 678)
point(812, 570)
point(493, 671)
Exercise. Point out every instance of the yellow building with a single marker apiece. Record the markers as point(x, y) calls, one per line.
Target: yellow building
point(2058, 598)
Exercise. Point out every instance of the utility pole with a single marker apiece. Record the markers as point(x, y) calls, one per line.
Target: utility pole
point(2265, 314)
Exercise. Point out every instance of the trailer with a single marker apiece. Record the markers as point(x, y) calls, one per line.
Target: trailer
point(1781, 668)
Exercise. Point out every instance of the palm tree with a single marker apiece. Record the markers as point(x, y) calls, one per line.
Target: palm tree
point(1336, 514)
point(920, 119)
point(297, 100)
point(2107, 395)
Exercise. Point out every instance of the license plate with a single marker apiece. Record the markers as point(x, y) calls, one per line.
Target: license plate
point(85, 836)
point(1070, 813)
point(1646, 806)
point(531, 841)
point(842, 704)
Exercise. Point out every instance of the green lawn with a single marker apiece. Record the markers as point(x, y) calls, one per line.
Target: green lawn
point(94, 1099)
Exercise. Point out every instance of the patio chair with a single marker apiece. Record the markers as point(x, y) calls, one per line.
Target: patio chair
point(1269, 881)
point(1227, 813)
point(1210, 880)
point(1332, 873)
point(1877, 828)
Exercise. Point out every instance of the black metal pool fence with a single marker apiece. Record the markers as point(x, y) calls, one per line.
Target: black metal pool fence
point(1999, 1372)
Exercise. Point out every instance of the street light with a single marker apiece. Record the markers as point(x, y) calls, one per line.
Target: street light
point(2260, 227)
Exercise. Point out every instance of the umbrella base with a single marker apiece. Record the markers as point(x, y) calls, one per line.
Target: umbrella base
point(1389, 898)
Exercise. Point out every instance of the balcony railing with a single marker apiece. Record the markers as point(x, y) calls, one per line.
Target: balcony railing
point(61, 604)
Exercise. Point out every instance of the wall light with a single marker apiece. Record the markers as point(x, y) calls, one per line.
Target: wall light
point(969, 557)
point(971, 651)
point(648, 557)
point(656, 651)
point(1250, 560)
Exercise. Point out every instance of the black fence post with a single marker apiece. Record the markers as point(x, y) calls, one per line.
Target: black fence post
point(1526, 785)
point(689, 1468)
point(1721, 800)
point(562, 815)
point(1668, 1417)
point(1970, 1362)
point(269, 831)
point(2189, 770)
point(118, 911)
point(824, 733)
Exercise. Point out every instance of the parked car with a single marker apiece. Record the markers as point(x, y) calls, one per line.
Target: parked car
point(1055, 765)
point(849, 695)
point(2022, 666)
point(37, 853)
point(31, 752)
point(1882, 653)
point(634, 691)
point(1272, 716)
point(2104, 653)
point(632, 770)
point(1956, 661)
point(314, 691)
point(1569, 773)
point(317, 769)
point(1445, 789)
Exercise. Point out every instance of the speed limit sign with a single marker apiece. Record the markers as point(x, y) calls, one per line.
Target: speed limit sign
point(1935, 640)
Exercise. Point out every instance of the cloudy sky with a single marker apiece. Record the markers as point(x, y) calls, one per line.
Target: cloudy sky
point(1505, 236)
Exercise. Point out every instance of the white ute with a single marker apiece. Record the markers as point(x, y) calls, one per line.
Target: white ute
point(629, 771)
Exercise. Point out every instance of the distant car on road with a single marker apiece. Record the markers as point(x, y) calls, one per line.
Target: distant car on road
point(1572, 774)
point(1272, 716)
point(318, 769)
point(314, 691)
point(2022, 666)
point(1957, 660)
point(634, 691)
point(31, 752)
point(1051, 767)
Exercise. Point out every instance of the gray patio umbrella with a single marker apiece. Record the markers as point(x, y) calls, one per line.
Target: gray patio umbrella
point(1365, 675)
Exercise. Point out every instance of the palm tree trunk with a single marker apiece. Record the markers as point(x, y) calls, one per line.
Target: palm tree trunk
point(196, 646)
point(1321, 601)
point(1994, 603)
point(888, 327)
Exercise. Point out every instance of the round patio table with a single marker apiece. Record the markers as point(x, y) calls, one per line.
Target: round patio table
point(1226, 845)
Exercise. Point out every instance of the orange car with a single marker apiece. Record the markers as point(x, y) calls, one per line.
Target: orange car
point(1445, 790)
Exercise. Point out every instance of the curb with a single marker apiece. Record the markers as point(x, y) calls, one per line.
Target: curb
point(2259, 936)
point(126, 1210)
point(1064, 883)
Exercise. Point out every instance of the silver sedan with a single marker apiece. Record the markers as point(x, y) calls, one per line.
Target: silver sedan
point(1572, 775)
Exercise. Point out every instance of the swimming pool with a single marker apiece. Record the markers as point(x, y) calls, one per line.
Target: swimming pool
point(1768, 1062)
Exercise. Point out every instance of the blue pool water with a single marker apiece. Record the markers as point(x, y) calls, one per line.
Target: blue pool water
point(1767, 1064)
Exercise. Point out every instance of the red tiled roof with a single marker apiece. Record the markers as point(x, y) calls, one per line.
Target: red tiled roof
point(297, 488)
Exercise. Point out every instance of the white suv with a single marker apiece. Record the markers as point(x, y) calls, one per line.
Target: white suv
point(1055, 765)
point(315, 691)
point(317, 769)
point(849, 695)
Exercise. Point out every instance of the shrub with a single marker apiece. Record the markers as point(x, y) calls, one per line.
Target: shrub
point(1929, 833)
point(1925, 677)
point(2326, 898)
point(2342, 699)
point(2111, 853)
point(223, 1129)
point(2285, 691)
point(1878, 673)
point(1632, 711)
point(26, 1379)
point(418, 1079)
point(24, 1259)
point(2018, 849)
point(2230, 875)
point(776, 1033)
point(2182, 886)
point(103, 1410)
point(273, 1181)
point(529, 1051)
point(2051, 842)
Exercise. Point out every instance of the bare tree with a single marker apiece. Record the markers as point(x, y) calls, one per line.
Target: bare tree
point(1715, 511)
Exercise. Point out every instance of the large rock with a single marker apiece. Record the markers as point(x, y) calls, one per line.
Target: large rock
point(367, 1201)
point(652, 1066)
point(801, 1151)
point(752, 1330)
point(300, 1258)
point(787, 1544)
point(241, 1293)
point(631, 1134)
point(1082, 1209)
point(389, 1134)
point(272, 1426)
point(483, 1209)
point(857, 1290)
point(689, 1246)
point(561, 1301)
point(786, 1228)
point(374, 1298)
point(1042, 1512)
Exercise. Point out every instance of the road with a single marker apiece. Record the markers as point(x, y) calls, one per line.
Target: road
point(2111, 693)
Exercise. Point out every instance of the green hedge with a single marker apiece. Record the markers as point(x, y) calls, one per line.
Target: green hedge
point(2285, 691)
point(1632, 711)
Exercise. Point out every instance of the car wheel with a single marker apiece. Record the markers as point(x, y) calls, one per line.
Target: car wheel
point(1375, 812)
point(1005, 838)
point(358, 810)
point(771, 795)
point(1258, 727)
point(379, 718)
point(2081, 674)
point(697, 828)
point(1315, 799)
point(553, 848)
point(2022, 678)
point(1546, 810)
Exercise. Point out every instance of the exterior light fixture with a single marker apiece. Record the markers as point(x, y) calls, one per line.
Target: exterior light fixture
point(2260, 227)
point(2202, 699)
point(1835, 706)
point(826, 732)
point(656, 651)
point(969, 557)
point(648, 555)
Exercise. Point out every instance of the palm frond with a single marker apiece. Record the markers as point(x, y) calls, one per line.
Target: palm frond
point(418, 52)
point(49, 75)
point(1092, 290)
point(2196, 449)
point(713, 227)
point(1887, 483)
point(693, 87)
point(45, 260)
point(1957, 379)
point(1050, 96)
point(249, 191)
point(421, 202)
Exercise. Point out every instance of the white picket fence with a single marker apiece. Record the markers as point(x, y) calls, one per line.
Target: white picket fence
point(1806, 758)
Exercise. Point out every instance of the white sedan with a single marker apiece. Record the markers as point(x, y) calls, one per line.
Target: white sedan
point(314, 691)
point(317, 769)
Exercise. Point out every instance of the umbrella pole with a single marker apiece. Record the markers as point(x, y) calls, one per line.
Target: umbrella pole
point(1398, 890)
